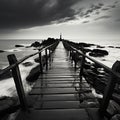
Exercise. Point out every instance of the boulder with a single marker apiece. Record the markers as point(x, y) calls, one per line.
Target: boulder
point(111, 46)
point(87, 66)
point(116, 117)
point(87, 50)
point(6, 103)
point(48, 41)
point(37, 60)
point(85, 45)
point(98, 53)
point(19, 45)
point(27, 46)
point(34, 74)
point(98, 46)
point(2, 51)
point(113, 108)
point(36, 44)
point(6, 75)
point(26, 64)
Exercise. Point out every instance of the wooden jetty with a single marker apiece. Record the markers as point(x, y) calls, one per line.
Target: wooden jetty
point(61, 92)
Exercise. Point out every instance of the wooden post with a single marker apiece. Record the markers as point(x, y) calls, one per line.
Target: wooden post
point(46, 59)
point(75, 60)
point(49, 55)
point(41, 67)
point(81, 68)
point(109, 89)
point(18, 82)
point(72, 56)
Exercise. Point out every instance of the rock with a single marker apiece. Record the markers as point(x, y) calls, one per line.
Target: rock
point(2, 51)
point(87, 50)
point(116, 97)
point(98, 46)
point(85, 45)
point(36, 44)
point(19, 45)
point(6, 75)
point(26, 64)
point(98, 53)
point(48, 41)
point(6, 103)
point(116, 117)
point(113, 108)
point(75, 56)
point(103, 59)
point(111, 46)
point(34, 74)
point(37, 60)
point(87, 66)
point(27, 46)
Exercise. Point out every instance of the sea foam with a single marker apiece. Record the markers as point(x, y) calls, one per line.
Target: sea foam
point(8, 86)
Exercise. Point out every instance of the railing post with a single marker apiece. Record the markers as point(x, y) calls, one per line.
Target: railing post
point(75, 60)
point(49, 55)
point(109, 89)
point(71, 56)
point(81, 68)
point(18, 82)
point(40, 58)
point(46, 59)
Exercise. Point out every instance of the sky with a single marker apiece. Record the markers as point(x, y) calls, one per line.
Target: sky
point(75, 19)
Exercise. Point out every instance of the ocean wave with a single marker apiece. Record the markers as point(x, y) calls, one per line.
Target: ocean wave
point(8, 86)
point(13, 50)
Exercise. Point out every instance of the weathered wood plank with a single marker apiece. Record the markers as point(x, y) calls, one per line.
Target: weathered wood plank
point(60, 114)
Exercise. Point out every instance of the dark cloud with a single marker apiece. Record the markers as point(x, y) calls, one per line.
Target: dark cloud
point(93, 8)
point(97, 13)
point(102, 17)
point(110, 6)
point(86, 21)
point(118, 20)
point(113, 6)
point(28, 13)
point(64, 19)
point(105, 9)
point(87, 16)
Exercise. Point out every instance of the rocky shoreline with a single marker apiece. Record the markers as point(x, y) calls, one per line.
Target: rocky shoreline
point(98, 77)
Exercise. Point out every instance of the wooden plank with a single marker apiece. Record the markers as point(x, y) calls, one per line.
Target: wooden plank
point(61, 114)
point(59, 97)
point(53, 91)
point(58, 105)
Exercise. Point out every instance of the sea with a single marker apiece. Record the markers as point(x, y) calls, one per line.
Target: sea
point(7, 86)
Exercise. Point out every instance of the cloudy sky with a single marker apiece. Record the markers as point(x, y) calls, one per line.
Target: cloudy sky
point(75, 19)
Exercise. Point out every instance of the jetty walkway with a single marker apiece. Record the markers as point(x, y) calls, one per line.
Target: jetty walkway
point(57, 94)
point(66, 88)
